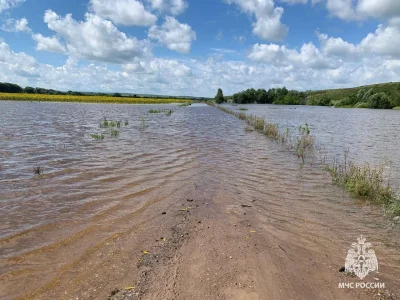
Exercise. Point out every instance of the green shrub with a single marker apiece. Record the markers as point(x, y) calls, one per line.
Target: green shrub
point(380, 100)
point(361, 105)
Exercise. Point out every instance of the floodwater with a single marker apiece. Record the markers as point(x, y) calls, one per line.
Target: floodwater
point(92, 190)
point(365, 135)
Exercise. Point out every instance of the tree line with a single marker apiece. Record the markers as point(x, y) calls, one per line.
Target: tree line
point(6, 87)
point(363, 98)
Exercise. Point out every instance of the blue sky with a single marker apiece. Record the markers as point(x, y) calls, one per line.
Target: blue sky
point(188, 47)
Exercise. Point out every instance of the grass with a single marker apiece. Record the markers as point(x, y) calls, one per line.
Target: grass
point(397, 108)
point(335, 95)
point(365, 181)
point(143, 123)
point(305, 141)
point(185, 104)
point(168, 112)
point(106, 124)
point(97, 136)
point(361, 181)
point(88, 99)
point(114, 132)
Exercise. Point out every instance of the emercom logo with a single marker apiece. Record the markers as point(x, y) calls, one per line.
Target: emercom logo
point(360, 261)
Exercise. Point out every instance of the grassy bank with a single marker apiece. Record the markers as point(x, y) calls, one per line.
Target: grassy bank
point(87, 99)
point(383, 95)
point(363, 181)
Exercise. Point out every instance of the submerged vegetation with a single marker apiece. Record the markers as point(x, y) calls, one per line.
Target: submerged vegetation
point(365, 181)
point(97, 136)
point(38, 170)
point(304, 140)
point(361, 181)
point(168, 112)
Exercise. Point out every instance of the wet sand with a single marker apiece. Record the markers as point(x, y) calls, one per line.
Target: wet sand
point(220, 213)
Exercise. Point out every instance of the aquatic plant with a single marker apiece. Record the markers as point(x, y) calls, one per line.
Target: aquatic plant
point(168, 112)
point(118, 124)
point(126, 123)
point(305, 142)
point(97, 137)
point(243, 108)
point(38, 170)
point(143, 122)
point(185, 104)
point(114, 132)
point(365, 181)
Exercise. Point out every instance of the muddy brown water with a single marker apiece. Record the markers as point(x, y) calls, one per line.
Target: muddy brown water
point(57, 230)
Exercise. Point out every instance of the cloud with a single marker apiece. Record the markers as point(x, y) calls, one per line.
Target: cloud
point(174, 35)
point(268, 24)
point(96, 39)
point(379, 8)
point(385, 41)
point(173, 7)
point(7, 4)
point(308, 56)
point(123, 12)
point(13, 25)
point(355, 10)
point(333, 52)
point(50, 44)
point(192, 77)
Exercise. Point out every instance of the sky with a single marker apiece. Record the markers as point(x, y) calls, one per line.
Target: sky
point(194, 47)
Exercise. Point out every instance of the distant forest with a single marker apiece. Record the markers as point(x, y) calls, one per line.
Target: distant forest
point(6, 87)
point(383, 96)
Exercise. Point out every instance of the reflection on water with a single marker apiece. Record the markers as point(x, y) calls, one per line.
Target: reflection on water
point(91, 190)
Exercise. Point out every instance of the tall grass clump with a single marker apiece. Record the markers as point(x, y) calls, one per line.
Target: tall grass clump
point(168, 112)
point(365, 181)
point(305, 142)
point(114, 132)
point(143, 123)
point(97, 137)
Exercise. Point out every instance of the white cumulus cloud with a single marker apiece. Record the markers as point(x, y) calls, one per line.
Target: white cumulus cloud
point(50, 44)
point(7, 4)
point(12, 25)
point(173, 7)
point(124, 12)
point(96, 39)
point(267, 25)
point(174, 35)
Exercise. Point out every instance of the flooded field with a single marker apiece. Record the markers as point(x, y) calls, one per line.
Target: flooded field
point(79, 229)
point(367, 135)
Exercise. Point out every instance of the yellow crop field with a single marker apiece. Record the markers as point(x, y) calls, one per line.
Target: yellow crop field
point(88, 99)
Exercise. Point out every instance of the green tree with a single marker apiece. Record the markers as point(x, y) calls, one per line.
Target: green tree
point(219, 98)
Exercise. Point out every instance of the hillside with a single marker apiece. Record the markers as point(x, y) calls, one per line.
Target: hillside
point(338, 97)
